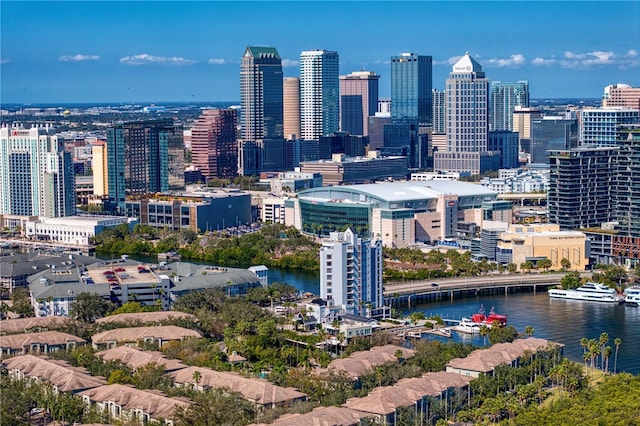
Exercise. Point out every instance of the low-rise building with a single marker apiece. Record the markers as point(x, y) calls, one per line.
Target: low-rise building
point(74, 231)
point(188, 277)
point(122, 402)
point(325, 416)
point(358, 363)
point(343, 170)
point(136, 358)
point(38, 343)
point(144, 318)
point(259, 391)
point(158, 335)
point(60, 375)
point(32, 325)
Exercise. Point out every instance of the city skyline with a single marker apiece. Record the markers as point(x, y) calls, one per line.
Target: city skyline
point(128, 51)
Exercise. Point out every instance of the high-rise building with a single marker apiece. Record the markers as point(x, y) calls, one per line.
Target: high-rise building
point(291, 107)
point(438, 112)
point(319, 93)
point(214, 149)
point(138, 159)
point(625, 182)
point(261, 94)
point(411, 88)
point(36, 174)
point(341, 143)
point(351, 272)
point(579, 193)
point(507, 143)
point(522, 118)
point(467, 121)
point(599, 126)
point(621, 95)
point(358, 101)
point(505, 97)
point(100, 168)
point(552, 133)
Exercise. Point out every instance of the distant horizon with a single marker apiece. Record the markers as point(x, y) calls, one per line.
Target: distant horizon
point(98, 51)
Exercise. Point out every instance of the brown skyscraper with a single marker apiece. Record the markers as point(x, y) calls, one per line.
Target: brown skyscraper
point(291, 107)
point(213, 143)
point(358, 101)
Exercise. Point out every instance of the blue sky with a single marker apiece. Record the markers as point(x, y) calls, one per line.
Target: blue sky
point(153, 51)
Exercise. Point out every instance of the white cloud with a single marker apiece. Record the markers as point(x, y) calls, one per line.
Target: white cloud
point(78, 58)
point(217, 61)
point(290, 63)
point(513, 61)
point(572, 60)
point(454, 59)
point(145, 58)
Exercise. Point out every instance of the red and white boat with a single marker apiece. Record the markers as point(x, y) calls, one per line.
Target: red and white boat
point(481, 318)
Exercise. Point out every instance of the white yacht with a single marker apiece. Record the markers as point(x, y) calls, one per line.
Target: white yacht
point(632, 296)
point(594, 292)
point(467, 326)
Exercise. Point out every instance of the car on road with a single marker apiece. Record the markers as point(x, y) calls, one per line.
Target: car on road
point(434, 284)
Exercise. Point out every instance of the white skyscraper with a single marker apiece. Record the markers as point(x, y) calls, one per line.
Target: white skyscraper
point(36, 174)
point(319, 93)
point(351, 272)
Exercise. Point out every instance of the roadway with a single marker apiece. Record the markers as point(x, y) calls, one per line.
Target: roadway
point(457, 284)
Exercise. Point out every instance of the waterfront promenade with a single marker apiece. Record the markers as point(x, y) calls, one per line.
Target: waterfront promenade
point(410, 293)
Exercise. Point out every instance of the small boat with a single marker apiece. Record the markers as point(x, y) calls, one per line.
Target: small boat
point(442, 332)
point(593, 292)
point(467, 326)
point(632, 296)
point(481, 318)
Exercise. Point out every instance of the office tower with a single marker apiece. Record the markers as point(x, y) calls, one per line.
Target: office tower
point(552, 133)
point(621, 95)
point(625, 182)
point(507, 143)
point(505, 97)
point(467, 121)
point(358, 101)
point(261, 94)
point(319, 93)
point(214, 149)
point(341, 143)
point(376, 129)
point(598, 126)
point(291, 107)
point(138, 159)
point(298, 150)
point(176, 158)
point(351, 272)
point(522, 118)
point(36, 174)
point(438, 112)
point(411, 88)
point(100, 168)
point(384, 106)
point(579, 193)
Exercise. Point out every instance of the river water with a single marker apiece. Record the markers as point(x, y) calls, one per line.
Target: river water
point(562, 321)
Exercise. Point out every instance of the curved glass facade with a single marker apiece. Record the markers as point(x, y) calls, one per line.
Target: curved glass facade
point(320, 218)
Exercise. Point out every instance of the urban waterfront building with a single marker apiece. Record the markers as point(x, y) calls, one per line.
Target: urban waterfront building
point(621, 95)
point(626, 182)
point(291, 107)
point(599, 126)
point(138, 159)
point(505, 97)
point(358, 101)
point(467, 121)
point(351, 272)
point(551, 133)
point(411, 88)
point(439, 111)
point(261, 94)
point(36, 174)
point(580, 186)
point(319, 93)
point(213, 140)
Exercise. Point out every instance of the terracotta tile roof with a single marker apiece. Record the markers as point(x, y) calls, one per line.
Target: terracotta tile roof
point(260, 391)
point(321, 416)
point(359, 363)
point(434, 384)
point(136, 358)
point(155, 404)
point(58, 373)
point(384, 400)
point(145, 317)
point(22, 325)
point(51, 338)
point(133, 334)
point(485, 360)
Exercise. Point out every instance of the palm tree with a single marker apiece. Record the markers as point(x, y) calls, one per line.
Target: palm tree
point(197, 376)
point(602, 341)
point(617, 341)
point(484, 332)
point(528, 330)
point(606, 354)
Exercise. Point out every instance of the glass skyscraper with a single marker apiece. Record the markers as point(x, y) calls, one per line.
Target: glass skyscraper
point(319, 93)
point(358, 101)
point(505, 97)
point(411, 88)
point(261, 88)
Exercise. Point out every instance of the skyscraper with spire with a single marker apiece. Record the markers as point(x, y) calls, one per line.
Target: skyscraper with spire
point(319, 93)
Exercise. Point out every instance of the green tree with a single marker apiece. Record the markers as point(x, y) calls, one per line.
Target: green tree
point(571, 280)
point(21, 304)
point(213, 407)
point(89, 306)
point(565, 263)
point(528, 330)
point(512, 268)
point(545, 264)
point(617, 342)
